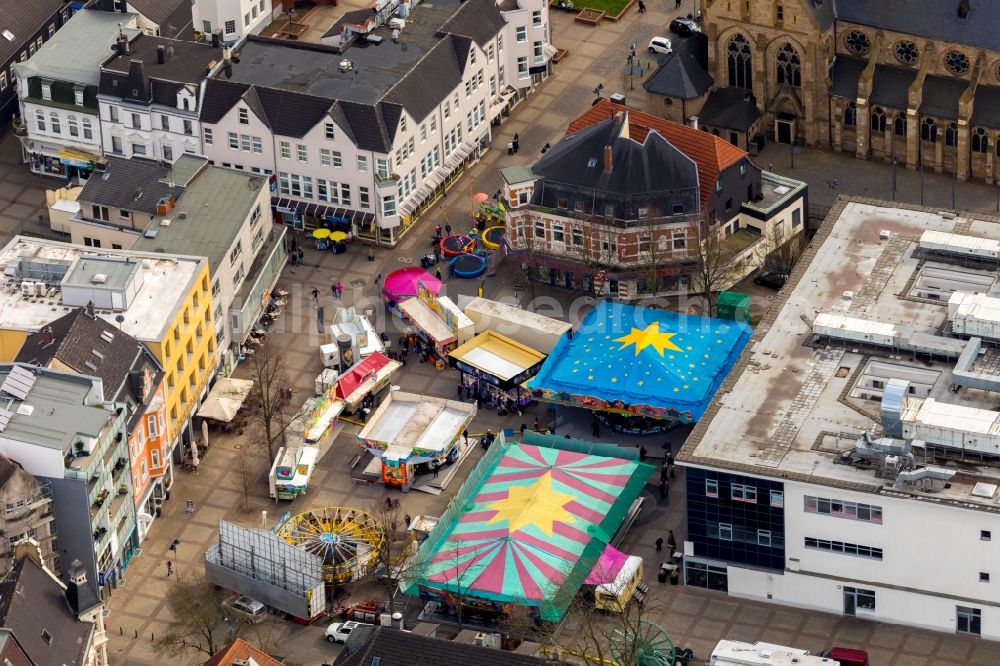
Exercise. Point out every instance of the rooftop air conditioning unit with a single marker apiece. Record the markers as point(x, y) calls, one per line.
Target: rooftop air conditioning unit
point(165, 222)
point(345, 65)
point(183, 214)
point(41, 288)
point(28, 288)
point(397, 23)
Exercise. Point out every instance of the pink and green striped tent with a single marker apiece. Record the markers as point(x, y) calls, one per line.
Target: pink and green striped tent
point(535, 524)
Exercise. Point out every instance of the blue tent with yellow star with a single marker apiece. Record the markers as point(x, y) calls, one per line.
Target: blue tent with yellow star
point(641, 361)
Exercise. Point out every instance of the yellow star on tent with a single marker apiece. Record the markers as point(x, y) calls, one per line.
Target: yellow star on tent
point(648, 337)
point(538, 504)
point(614, 380)
point(590, 378)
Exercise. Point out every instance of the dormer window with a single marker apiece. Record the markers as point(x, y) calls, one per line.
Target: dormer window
point(402, 124)
point(244, 116)
point(78, 95)
point(47, 90)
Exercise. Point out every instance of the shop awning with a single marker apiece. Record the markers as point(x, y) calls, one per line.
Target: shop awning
point(78, 158)
point(460, 155)
point(225, 399)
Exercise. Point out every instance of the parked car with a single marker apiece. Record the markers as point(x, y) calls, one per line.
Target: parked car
point(847, 656)
point(246, 609)
point(770, 279)
point(339, 632)
point(684, 27)
point(660, 45)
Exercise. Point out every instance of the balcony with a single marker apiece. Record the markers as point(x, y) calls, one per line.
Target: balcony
point(386, 180)
point(267, 265)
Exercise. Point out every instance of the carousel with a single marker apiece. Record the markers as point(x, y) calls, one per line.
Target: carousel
point(347, 540)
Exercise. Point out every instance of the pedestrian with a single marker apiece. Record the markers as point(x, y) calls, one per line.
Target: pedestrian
point(302, 255)
point(663, 488)
point(315, 293)
point(437, 272)
point(447, 229)
point(659, 544)
point(670, 464)
point(642, 453)
point(629, 59)
point(537, 428)
point(524, 426)
point(642, 7)
point(465, 436)
point(333, 289)
point(510, 147)
point(437, 230)
point(671, 542)
point(406, 517)
point(170, 568)
point(437, 253)
point(677, 4)
point(340, 289)
point(664, 471)
point(434, 466)
point(516, 142)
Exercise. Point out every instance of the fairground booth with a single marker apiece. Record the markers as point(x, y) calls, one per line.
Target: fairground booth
point(403, 283)
point(528, 526)
point(410, 434)
point(524, 326)
point(493, 367)
point(641, 370)
point(365, 378)
point(438, 322)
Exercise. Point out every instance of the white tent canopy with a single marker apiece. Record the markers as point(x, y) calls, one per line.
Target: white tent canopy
point(225, 399)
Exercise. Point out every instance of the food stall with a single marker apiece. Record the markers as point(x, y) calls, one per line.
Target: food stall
point(408, 430)
point(364, 378)
point(319, 414)
point(402, 284)
point(616, 580)
point(438, 322)
point(493, 366)
point(291, 471)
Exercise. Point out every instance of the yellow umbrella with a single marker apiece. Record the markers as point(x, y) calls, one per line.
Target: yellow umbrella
point(320, 234)
point(338, 236)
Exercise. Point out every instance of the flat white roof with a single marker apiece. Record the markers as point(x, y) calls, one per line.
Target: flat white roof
point(167, 279)
point(511, 313)
point(854, 324)
point(976, 306)
point(950, 416)
point(959, 242)
point(493, 363)
point(426, 319)
point(407, 421)
point(787, 409)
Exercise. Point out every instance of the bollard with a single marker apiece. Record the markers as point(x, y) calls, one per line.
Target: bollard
point(136, 633)
point(121, 632)
point(152, 637)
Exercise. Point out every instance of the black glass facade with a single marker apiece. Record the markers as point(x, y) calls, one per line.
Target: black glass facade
point(736, 518)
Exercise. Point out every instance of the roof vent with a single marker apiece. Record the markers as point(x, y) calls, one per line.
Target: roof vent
point(107, 336)
point(345, 65)
point(987, 490)
point(25, 409)
point(8, 35)
point(150, 233)
point(90, 366)
point(97, 354)
point(165, 222)
point(592, 162)
point(99, 278)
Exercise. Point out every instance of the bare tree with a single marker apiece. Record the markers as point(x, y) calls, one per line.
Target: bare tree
point(268, 410)
point(246, 469)
point(458, 581)
point(198, 622)
point(780, 254)
point(717, 265)
point(393, 562)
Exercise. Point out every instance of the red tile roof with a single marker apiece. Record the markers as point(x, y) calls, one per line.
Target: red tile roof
point(240, 649)
point(709, 152)
point(349, 382)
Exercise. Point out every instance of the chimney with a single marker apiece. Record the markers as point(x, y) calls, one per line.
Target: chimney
point(28, 548)
point(123, 45)
point(161, 54)
point(694, 121)
point(608, 162)
point(47, 338)
point(91, 311)
point(77, 593)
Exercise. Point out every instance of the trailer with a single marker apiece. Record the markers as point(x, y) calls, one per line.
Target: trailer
point(292, 469)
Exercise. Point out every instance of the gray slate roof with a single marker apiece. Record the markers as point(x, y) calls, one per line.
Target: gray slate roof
point(24, 19)
point(683, 73)
point(637, 168)
point(730, 108)
point(129, 184)
point(844, 73)
point(934, 19)
point(941, 97)
point(369, 645)
point(31, 601)
point(187, 64)
point(987, 108)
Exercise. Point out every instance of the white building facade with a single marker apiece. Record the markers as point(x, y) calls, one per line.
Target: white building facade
point(233, 20)
point(375, 167)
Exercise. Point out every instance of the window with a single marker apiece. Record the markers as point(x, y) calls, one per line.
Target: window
point(928, 130)
point(857, 42)
point(40, 120)
point(52, 29)
point(286, 150)
point(423, 132)
point(779, 13)
point(789, 66)
point(389, 205)
point(856, 599)
point(331, 192)
point(558, 235)
point(245, 143)
point(490, 52)
point(234, 141)
point(843, 548)
point(382, 167)
point(78, 96)
point(851, 114)
point(168, 152)
point(740, 61)
point(680, 239)
point(46, 90)
point(536, 18)
point(725, 532)
point(253, 12)
point(363, 163)
point(151, 427)
point(906, 52)
point(364, 199)
point(434, 124)
point(230, 27)
point(246, 20)
point(154, 454)
point(324, 157)
point(116, 145)
point(578, 237)
point(539, 230)
point(539, 54)
point(957, 62)
point(91, 242)
point(968, 620)
point(3, 81)
point(244, 116)
point(54, 122)
point(522, 66)
point(984, 577)
point(300, 153)
point(500, 42)
point(777, 498)
point(472, 56)
point(711, 488)
point(88, 130)
point(206, 27)
point(297, 186)
point(878, 119)
point(985, 535)
point(258, 146)
point(336, 159)
point(743, 493)
point(763, 538)
point(208, 136)
point(899, 125)
point(447, 109)
point(868, 513)
point(74, 128)
point(236, 252)
point(100, 213)
point(139, 149)
point(951, 135)
point(328, 130)
point(521, 34)
point(980, 142)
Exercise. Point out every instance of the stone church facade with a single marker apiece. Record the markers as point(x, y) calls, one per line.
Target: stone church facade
point(882, 80)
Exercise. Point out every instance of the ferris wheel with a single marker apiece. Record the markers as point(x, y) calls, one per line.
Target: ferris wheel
point(642, 644)
point(347, 540)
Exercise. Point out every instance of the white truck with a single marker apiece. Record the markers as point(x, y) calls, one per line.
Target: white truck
point(738, 653)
